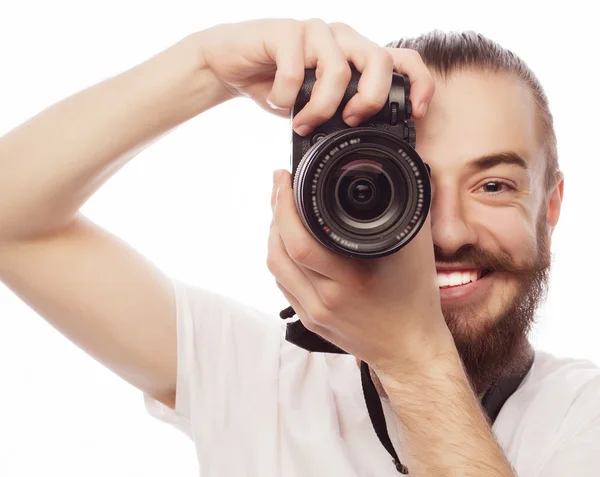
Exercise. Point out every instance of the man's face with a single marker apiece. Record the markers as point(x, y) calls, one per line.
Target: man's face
point(491, 218)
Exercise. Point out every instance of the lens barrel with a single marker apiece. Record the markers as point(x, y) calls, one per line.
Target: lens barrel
point(362, 192)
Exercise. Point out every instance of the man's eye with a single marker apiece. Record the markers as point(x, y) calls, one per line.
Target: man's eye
point(495, 187)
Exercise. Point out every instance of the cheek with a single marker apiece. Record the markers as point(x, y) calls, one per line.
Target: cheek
point(506, 228)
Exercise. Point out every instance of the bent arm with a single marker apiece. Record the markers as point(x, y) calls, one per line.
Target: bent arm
point(87, 283)
point(51, 164)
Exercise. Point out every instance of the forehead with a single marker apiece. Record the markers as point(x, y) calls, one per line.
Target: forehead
point(473, 114)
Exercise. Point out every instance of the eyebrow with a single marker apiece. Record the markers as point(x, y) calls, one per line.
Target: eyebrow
point(492, 160)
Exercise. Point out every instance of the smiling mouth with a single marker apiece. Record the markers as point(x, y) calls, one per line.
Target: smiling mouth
point(456, 278)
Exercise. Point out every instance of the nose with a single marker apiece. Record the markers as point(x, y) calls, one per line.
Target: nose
point(450, 227)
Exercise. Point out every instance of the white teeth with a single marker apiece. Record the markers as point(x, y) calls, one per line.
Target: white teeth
point(452, 279)
point(455, 279)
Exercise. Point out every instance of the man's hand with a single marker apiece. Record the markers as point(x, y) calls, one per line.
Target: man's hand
point(384, 311)
point(377, 310)
point(265, 60)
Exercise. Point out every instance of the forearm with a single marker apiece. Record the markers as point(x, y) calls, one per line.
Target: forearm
point(443, 427)
point(51, 164)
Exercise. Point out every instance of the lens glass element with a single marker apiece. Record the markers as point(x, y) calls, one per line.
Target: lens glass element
point(363, 189)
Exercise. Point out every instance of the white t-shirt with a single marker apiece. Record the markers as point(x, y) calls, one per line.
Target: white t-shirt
point(256, 405)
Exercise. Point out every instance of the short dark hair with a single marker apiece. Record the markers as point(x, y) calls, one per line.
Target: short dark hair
point(448, 52)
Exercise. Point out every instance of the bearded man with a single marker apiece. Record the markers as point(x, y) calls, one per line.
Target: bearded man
point(440, 326)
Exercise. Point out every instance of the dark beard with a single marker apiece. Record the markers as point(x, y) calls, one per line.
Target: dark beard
point(500, 347)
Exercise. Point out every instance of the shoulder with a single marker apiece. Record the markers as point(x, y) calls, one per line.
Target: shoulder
point(560, 381)
point(554, 404)
point(221, 339)
point(558, 398)
point(566, 388)
point(206, 308)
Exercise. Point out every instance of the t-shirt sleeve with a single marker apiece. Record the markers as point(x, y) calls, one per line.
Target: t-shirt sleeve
point(226, 352)
point(574, 449)
point(579, 456)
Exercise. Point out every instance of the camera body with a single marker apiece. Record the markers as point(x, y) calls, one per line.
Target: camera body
point(393, 117)
point(361, 191)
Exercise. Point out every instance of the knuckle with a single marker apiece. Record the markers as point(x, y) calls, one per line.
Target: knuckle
point(323, 112)
point(340, 27)
point(371, 103)
point(385, 58)
point(292, 23)
point(286, 26)
point(320, 316)
point(272, 264)
point(282, 289)
point(341, 72)
point(315, 23)
point(299, 251)
point(331, 297)
point(309, 323)
point(292, 77)
point(413, 54)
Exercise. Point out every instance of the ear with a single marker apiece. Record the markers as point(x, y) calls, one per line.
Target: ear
point(555, 203)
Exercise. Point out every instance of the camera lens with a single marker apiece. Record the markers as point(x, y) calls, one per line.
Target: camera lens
point(362, 192)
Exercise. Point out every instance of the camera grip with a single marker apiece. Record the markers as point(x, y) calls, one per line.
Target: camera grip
point(399, 95)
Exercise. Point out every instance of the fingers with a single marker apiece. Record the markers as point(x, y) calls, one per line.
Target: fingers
point(376, 66)
point(260, 94)
point(289, 276)
point(422, 85)
point(310, 293)
point(300, 245)
point(312, 276)
point(288, 54)
point(274, 190)
point(329, 49)
point(332, 73)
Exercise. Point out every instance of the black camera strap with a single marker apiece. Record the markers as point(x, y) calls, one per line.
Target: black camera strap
point(492, 401)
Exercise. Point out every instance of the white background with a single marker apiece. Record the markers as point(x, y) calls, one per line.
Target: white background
point(62, 413)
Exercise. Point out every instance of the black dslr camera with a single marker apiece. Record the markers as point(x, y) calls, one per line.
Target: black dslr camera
point(361, 191)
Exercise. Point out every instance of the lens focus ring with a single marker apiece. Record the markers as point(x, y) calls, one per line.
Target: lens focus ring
point(362, 192)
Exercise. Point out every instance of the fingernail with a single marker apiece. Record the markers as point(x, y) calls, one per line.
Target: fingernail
point(423, 109)
point(352, 121)
point(303, 129)
point(277, 194)
point(272, 104)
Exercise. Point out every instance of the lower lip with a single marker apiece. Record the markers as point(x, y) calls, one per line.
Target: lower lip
point(465, 292)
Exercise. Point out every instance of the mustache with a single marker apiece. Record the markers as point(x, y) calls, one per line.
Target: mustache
point(495, 261)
